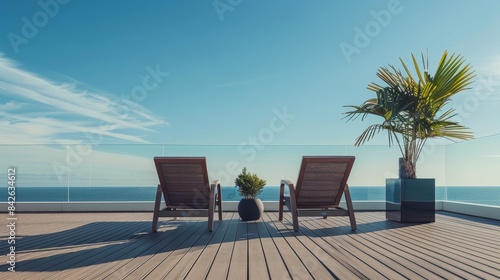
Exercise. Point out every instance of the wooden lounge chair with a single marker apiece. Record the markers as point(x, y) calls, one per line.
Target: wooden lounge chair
point(186, 190)
point(321, 183)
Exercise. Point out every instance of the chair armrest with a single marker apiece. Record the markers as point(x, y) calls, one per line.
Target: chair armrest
point(290, 185)
point(286, 182)
point(217, 196)
point(215, 186)
point(216, 182)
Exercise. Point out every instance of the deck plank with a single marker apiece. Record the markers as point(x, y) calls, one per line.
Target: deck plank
point(334, 258)
point(122, 246)
point(128, 266)
point(222, 260)
point(275, 263)
point(173, 258)
point(152, 260)
point(427, 250)
point(294, 264)
point(257, 266)
point(311, 261)
point(76, 245)
point(187, 261)
point(417, 261)
point(377, 263)
point(205, 260)
point(238, 267)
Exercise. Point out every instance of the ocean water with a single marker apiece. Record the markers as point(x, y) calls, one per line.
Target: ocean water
point(478, 195)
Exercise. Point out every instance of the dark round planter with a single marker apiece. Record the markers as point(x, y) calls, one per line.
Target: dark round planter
point(250, 209)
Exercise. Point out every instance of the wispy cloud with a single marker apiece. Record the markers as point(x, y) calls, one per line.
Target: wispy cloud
point(38, 110)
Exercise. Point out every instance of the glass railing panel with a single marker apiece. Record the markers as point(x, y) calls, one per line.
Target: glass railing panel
point(39, 168)
point(272, 163)
point(55, 173)
point(375, 163)
point(115, 173)
point(473, 171)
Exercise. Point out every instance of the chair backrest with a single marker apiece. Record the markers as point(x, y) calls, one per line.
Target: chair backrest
point(184, 181)
point(322, 180)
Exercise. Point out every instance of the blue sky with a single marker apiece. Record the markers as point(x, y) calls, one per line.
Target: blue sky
point(225, 72)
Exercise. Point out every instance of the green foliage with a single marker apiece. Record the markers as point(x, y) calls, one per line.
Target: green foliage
point(249, 184)
point(411, 108)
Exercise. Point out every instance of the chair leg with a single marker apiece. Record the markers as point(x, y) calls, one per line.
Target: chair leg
point(211, 206)
point(210, 221)
point(350, 210)
point(280, 206)
point(295, 219)
point(156, 212)
point(291, 204)
point(280, 209)
point(219, 201)
point(293, 208)
point(219, 206)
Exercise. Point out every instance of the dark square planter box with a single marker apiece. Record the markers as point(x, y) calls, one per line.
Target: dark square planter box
point(410, 200)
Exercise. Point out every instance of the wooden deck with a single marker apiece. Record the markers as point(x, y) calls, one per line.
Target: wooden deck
point(122, 246)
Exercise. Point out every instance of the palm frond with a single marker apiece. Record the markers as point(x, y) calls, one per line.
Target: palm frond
point(410, 108)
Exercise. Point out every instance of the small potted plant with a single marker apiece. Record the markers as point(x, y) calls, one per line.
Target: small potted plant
point(249, 186)
point(413, 109)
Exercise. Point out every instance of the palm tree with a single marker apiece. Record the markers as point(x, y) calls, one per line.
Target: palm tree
point(411, 109)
